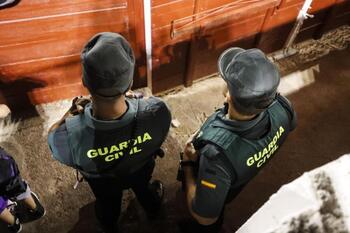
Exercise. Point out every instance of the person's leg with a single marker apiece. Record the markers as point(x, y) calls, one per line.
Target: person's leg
point(13, 224)
point(32, 202)
point(149, 195)
point(7, 217)
point(108, 194)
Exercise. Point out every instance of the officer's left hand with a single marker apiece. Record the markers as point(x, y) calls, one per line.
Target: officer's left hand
point(189, 151)
point(78, 105)
point(135, 95)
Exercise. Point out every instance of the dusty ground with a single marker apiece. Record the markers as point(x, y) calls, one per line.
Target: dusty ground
point(322, 135)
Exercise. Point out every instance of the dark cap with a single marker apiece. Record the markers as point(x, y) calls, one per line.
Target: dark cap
point(108, 64)
point(252, 79)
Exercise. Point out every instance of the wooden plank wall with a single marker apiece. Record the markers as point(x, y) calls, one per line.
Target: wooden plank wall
point(192, 51)
point(41, 43)
point(41, 40)
point(169, 54)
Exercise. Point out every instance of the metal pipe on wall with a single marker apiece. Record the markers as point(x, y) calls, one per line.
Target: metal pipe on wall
point(300, 20)
point(148, 40)
point(287, 50)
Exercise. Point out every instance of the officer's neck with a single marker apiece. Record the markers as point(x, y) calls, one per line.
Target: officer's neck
point(110, 110)
point(234, 115)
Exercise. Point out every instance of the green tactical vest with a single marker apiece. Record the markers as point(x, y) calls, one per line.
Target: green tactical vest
point(102, 151)
point(246, 156)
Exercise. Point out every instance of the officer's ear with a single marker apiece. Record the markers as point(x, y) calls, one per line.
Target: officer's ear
point(224, 90)
point(228, 98)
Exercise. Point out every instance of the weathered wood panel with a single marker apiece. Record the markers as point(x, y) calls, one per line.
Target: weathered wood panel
point(334, 16)
point(215, 25)
point(41, 43)
point(41, 40)
point(278, 25)
point(187, 41)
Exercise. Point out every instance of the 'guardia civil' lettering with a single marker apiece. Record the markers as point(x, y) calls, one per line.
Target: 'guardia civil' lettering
point(261, 157)
point(116, 151)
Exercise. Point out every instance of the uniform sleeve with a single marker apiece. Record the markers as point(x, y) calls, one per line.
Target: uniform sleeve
point(213, 184)
point(162, 113)
point(58, 143)
point(289, 108)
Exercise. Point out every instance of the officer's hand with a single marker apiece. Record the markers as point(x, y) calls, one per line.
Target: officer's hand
point(78, 105)
point(132, 94)
point(189, 151)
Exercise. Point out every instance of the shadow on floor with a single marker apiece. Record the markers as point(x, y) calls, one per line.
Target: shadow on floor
point(87, 221)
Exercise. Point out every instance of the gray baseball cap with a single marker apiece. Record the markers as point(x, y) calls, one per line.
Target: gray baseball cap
point(252, 79)
point(107, 64)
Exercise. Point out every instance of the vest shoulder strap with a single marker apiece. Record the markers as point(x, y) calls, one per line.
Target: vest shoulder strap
point(221, 137)
point(146, 109)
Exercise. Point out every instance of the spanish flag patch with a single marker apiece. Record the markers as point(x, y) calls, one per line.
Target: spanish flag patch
point(208, 184)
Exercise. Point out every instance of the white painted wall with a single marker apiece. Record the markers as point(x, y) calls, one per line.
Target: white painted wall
point(318, 200)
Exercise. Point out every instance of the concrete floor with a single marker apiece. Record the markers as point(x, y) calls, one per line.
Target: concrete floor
point(322, 135)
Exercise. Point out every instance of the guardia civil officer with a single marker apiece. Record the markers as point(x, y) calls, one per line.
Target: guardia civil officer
point(237, 140)
point(114, 140)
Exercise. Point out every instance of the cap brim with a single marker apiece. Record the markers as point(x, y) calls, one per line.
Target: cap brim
point(226, 58)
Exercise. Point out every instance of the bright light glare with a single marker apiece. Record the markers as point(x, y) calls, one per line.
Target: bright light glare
point(297, 80)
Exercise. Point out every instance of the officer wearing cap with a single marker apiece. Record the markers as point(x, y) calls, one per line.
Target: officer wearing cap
point(112, 140)
point(237, 140)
